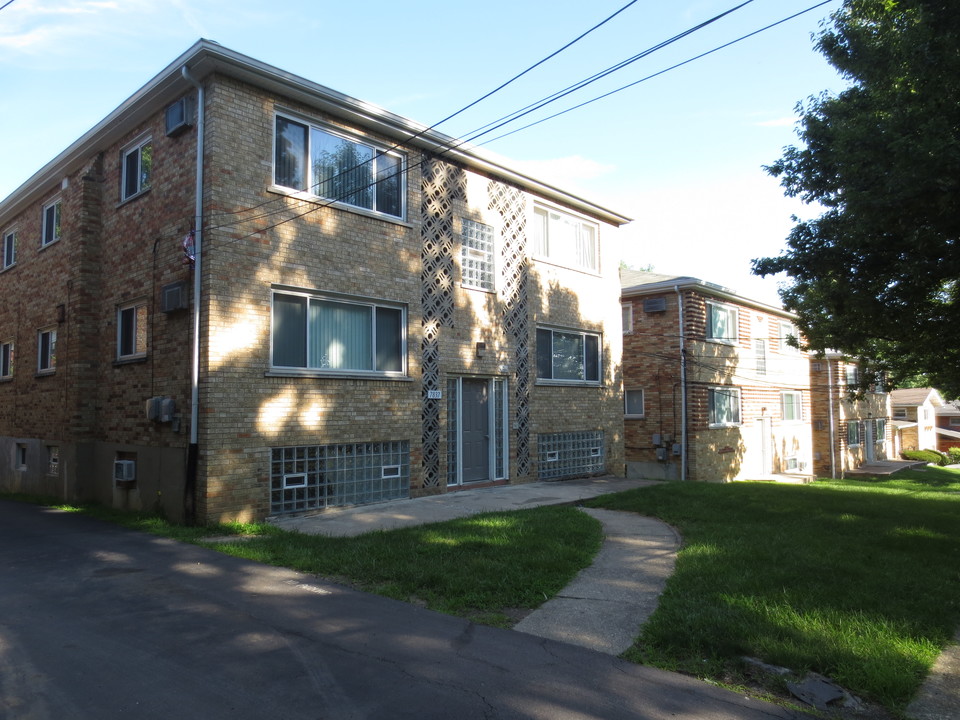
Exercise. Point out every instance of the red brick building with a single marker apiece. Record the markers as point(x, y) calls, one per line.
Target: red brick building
point(713, 390)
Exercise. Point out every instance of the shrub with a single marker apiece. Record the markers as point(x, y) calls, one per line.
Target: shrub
point(953, 455)
point(927, 456)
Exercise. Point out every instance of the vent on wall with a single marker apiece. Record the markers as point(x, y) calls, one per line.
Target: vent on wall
point(179, 115)
point(173, 297)
point(652, 305)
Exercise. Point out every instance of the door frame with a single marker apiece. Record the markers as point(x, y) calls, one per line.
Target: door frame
point(498, 407)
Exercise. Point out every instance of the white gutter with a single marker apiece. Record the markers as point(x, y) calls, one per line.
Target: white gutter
point(683, 388)
point(193, 452)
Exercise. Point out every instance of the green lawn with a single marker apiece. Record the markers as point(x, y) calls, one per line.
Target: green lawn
point(856, 580)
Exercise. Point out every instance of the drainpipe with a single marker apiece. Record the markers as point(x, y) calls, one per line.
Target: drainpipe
point(190, 489)
point(683, 388)
point(833, 436)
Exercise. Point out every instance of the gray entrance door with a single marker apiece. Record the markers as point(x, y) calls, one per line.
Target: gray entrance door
point(475, 430)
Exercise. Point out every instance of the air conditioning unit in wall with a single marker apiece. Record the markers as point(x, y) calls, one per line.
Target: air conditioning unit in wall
point(124, 470)
point(179, 115)
point(174, 297)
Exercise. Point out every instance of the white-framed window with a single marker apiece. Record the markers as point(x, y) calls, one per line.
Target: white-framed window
point(852, 375)
point(626, 317)
point(47, 350)
point(880, 434)
point(954, 421)
point(853, 434)
point(477, 263)
point(132, 331)
point(760, 351)
point(330, 334)
point(568, 356)
point(788, 335)
point(9, 248)
point(50, 231)
point(723, 406)
point(723, 323)
point(900, 413)
point(6, 359)
point(791, 405)
point(633, 403)
point(332, 165)
point(792, 462)
point(137, 165)
point(53, 460)
point(565, 239)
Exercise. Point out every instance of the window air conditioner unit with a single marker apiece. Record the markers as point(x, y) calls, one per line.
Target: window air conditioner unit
point(173, 297)
point(179, 116)
point(124, 470)
point(652, 305)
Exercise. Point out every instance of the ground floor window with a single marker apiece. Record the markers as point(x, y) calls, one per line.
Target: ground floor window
point(570, 454)
point(312, 477)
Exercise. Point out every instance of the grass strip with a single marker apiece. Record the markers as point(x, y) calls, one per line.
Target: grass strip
point(858, 581)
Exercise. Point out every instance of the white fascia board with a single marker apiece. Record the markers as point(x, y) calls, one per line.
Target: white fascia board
point(206, 57)
point(705, 288)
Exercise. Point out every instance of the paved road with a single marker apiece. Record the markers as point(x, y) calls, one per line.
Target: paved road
point(97, 622)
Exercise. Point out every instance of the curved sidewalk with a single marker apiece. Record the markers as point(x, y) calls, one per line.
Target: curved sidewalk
point(605, 604)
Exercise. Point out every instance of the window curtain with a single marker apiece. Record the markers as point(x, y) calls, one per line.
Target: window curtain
point(341, 336)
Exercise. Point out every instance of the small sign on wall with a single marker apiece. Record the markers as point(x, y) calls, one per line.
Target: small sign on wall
point(434, 394)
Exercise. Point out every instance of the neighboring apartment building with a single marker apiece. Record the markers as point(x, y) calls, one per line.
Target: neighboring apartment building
point(915, 417)
point(712, 388)
point(948, 426)
point(337, 307)
point(848, 430)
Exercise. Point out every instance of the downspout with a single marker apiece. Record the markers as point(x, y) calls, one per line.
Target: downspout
point(833, 432)
point(190, 488)
point(683, 388)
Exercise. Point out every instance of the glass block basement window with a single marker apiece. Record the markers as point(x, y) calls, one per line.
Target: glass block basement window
point(570, 454)
point(312, 477)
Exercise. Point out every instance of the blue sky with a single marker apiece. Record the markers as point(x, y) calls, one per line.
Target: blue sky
point(682, 153)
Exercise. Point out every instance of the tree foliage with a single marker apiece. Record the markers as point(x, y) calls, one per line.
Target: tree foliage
point(876, 275)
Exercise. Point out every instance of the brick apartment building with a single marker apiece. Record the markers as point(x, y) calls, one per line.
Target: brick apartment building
point(848, 431)
point(333, 306)
point(712, 389)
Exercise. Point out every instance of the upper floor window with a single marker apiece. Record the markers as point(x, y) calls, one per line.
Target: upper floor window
point(476, 256)
point(723, 406)
point(51, 223)
point(568, 355)
point(47, 350)
point(132, 331)
point(852, 374)
point(328, 334)
point(788, 335)
point(9, 248)
point(6, 360)
point(626, 317)
point(791, 403)
point(722, 323)
point(760, 350)
point(565, 239)
point(334, 166)
point(900, 413)
point(137, 166)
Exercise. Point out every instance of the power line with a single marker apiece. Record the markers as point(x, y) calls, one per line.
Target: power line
point(483, 97)
point(484, 129)
point(661, 72)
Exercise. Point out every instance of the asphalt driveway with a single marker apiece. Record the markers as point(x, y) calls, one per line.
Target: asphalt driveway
point(98, 622)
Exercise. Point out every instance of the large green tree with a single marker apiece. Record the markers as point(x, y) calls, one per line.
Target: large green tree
point(876, 275)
